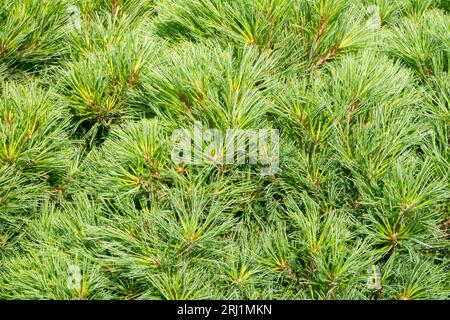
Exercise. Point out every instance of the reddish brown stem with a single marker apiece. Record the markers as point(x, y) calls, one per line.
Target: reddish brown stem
point(330, 55)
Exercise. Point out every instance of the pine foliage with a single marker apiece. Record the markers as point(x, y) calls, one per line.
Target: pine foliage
point(91, 92)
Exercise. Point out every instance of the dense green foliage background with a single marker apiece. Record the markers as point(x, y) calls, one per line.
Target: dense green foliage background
point(358, 88)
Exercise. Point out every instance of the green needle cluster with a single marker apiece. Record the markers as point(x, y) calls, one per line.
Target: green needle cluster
point(92, 206)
